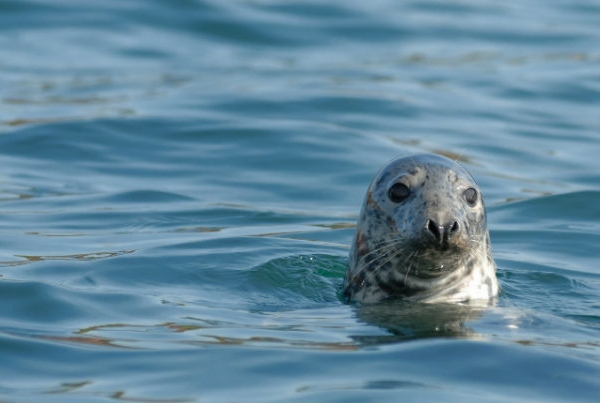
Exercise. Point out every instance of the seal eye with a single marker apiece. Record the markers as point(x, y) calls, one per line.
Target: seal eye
point(398, 192)
point(470, 196)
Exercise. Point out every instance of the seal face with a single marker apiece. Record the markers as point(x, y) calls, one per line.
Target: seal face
point(422, 235)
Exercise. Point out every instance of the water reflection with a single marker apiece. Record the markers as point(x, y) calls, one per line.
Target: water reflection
point(409, 320)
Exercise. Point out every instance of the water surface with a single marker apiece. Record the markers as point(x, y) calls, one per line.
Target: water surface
point(180, 183)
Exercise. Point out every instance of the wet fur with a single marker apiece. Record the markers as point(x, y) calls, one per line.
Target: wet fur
point(390, 258)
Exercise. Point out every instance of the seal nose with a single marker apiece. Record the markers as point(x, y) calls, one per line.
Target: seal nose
point(441, 234)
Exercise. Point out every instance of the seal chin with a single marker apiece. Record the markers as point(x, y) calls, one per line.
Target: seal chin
point(434, 260)
point(431, 270)
point(431, 273)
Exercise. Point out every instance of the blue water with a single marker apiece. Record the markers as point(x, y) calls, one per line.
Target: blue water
point(180, 180)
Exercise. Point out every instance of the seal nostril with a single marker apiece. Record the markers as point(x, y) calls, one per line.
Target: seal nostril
point(435, 229)
point(442, 233)
point(452, 229)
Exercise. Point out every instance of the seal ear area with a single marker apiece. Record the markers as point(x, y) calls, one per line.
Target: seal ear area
point(471, 196)
point(398, 192)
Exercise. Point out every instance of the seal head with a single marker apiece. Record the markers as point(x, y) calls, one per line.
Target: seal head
point(422, 235)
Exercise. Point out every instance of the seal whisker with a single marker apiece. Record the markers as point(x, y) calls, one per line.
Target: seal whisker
point(382, 260)
point(410, 259)
point(383, 247)
point(388, 254)
point(378, 253)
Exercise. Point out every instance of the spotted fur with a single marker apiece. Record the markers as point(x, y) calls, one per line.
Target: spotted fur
point(398, 251)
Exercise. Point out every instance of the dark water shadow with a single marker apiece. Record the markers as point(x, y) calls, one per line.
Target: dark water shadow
point(409, 321)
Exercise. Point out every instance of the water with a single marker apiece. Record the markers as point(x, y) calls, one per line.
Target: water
point(180, 181)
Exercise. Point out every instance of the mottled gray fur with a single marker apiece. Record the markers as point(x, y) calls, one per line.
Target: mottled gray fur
point(432, 246)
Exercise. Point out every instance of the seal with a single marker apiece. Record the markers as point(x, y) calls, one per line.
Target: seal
point(422, 235)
